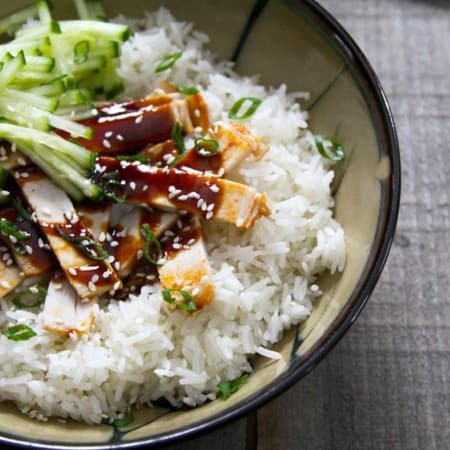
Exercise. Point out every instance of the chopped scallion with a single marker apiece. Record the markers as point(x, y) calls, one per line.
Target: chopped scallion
point(168, 61)
point(19, 332)
point(206, 147)
point(323, 144)
point(15, 236)
point(124, 421)
point(151, 245)
point(236, 108)
point(85, 245)
point(226, 388)
point(81, 52)
point(177, 136)
point(31, 298)
point(188, 304)
point(187, 90)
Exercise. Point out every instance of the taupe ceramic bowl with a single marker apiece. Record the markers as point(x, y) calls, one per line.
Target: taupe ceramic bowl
point(299, 43)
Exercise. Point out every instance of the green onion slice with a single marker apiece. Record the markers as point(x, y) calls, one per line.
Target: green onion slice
point(236, 108)
point(15, 236)
point(206, 147)
point(21, 210)
point(85, 245)
point(177, 136)
point(31, 298)
point(112, 187)
point(19, 332)
point(168, 61)
point(226, 388)
point(124, 421)
point(81, 52)
point(187, 305)
point(151, 245)
point(335, 153)
point(187, 90)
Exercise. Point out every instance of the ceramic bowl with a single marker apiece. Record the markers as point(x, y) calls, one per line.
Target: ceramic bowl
point(298, 43)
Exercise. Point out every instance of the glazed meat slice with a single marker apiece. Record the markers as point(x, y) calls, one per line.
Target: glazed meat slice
point(204, 195)
point(10, 274)
point(185, 263)
point(88, 271)
point(126, 237)
point(30, 252)
point(127, 126)
point(64, 312)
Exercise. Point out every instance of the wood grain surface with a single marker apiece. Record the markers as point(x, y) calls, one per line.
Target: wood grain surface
point(386, 384)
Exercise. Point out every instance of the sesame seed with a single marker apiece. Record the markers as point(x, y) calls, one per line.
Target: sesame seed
point(139, 254)
point(195, 291)
point(91, 286)
point(114, 243)
point(139, 119)
point(117, 265)
point(116, 285)
point(106, 274)
point(106, 143)
point(13, 239)
point(108, 134)
point(214, 188)
point(211, 207)
point(209, 215)
point(29, 249)
point(4, 284)
point(72, 271)
point(119, 137)
point(40, 243)
point(132, 185)
point(239, 222)
point(95, 278)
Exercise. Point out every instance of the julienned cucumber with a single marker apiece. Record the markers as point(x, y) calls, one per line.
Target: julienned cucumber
point(49, 75)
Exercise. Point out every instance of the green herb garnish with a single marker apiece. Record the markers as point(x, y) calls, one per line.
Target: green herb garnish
point(234, 111)
point(150, 242)
point(124, 421)
point(187, 305)
point(15, 236)
point(31, 298)
point(81, 52)
point(168, 61)
point(206, 147)
point(187, 90)
point(111, 186)
point(85, 245)
point(336, 153)
point(226, 388)
point(19, 333)
point(177, 136)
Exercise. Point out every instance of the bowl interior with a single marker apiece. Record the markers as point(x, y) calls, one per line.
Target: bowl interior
point(306, 54)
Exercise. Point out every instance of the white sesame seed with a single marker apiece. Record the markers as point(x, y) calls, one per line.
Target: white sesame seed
point(95, 278)
point(117, 265)
point(108, 134)
point(239, 222)
point(114, 243)
point(209, 215)
point(72, 271)
point(139, 119)
point(211, 207)
point(106, 143)
point(132, 185)
point(4, 284)
point(119, 137)
point(29, 249)
point(195, 291)
point(106, 274)
point(91, 286)
point(214, 188)
point(13, 239)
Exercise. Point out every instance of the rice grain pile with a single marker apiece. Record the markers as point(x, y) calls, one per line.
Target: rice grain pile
point(138, 352)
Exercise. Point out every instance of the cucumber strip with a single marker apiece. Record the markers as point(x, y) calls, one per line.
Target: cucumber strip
point(82, 9)
point(75, 97)
point(47, 104)
point(84, 158)
point(11, 69)
point(39, 63)
point(109, 49)
point(10, 23)
point(76, 113)
point(54, 88)
point(26, 79)
point(51, 165)
point(92, 65)
point(29, 48)
point(100, 30)
point(69, 126)
point(22, 115)
point(43, 8)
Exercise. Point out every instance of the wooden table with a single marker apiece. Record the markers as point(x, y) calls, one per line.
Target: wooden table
point(386, 384)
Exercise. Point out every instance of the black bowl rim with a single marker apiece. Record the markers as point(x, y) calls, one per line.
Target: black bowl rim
point(355, 304)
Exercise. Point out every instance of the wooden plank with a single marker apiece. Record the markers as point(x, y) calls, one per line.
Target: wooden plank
point(386, 385)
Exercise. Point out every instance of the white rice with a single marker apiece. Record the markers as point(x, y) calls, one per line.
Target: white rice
point(138, 352)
